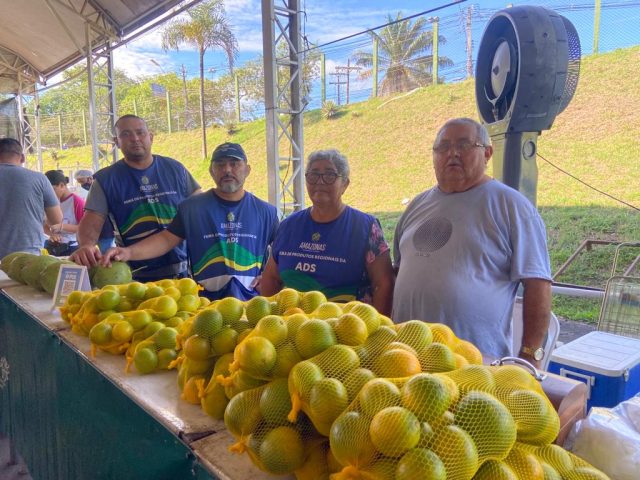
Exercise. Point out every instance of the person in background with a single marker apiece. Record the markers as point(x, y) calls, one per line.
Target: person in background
point(227, 230)
point(330, 246)
point(27, 200)
point(463, 247)
point(84, 178)
point(139, 194)
point(62, 239)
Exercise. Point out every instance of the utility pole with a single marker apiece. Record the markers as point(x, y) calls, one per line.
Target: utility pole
point(338, 82)
point(469, 43)
point(434, 49)
point(184, 93)
point(346, 71)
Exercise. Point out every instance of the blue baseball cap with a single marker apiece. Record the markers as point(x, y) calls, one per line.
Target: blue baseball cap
point(228, 150)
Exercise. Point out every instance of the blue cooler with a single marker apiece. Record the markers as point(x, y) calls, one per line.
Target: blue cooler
point(607, 363)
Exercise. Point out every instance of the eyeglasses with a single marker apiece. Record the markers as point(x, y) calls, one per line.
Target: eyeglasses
point(461, 146)
point(328, 178)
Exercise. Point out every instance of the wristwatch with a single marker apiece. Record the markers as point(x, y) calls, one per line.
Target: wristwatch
point(536, 353)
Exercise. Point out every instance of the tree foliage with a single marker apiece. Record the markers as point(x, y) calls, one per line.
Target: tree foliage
point(404, 54)
point(205, 27)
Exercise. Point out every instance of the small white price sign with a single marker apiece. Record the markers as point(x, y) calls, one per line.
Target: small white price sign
point(70, 278)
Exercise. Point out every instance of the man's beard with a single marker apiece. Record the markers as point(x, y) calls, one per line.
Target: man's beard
point(230, 187)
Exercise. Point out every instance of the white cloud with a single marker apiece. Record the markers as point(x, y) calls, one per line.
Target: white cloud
point(137, 64)
point(149, 41)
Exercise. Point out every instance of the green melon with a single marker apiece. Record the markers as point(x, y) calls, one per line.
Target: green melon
point(49, 275)
point(117, 274)
point(15, 268)
point(7, 259)
point(31, 271)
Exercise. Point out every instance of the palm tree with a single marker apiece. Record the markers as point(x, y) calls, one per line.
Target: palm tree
point(205, 27)
point(404, 53)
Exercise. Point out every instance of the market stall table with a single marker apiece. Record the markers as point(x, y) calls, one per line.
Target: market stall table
point(71, 415)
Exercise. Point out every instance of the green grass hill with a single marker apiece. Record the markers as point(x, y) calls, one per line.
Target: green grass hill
point(388, 143)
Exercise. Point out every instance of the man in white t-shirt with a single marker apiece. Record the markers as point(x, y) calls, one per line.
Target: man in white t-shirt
point(463, 247)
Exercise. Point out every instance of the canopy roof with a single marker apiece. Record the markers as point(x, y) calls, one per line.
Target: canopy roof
point(40, 38)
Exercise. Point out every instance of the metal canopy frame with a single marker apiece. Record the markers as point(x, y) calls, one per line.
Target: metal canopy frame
point(283, 105)
point(45, 37)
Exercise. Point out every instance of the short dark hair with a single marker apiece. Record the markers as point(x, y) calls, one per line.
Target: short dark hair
point(129, 116)
point(56, 177)
point(10, 146)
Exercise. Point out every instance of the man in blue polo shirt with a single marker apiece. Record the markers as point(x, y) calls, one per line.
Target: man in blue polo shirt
point(227, 230)
point(139, 195)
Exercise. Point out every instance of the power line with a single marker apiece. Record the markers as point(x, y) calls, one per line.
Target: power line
point(588, 185)
point(436, 9)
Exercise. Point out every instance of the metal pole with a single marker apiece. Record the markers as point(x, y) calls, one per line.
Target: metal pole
point(323, 80)
point(168, 112)
point(469, 44)
point(434, 43)
point(237, 86)
point(92, 103)
point(596, 25)
point(270, 106)
point(348, 77)
point(84, 126)
point(375, 68)
point(60, 131)
point(36, 114)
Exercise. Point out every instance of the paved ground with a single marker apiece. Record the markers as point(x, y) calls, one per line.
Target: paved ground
point(570, 330)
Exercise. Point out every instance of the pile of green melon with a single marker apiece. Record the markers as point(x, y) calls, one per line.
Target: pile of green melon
point(41, 271)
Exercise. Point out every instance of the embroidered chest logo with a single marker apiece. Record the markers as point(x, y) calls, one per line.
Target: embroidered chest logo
point(230, 217)
point(313, 245)
point(145, 180)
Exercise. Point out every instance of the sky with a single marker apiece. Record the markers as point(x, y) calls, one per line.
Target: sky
point(326, 20)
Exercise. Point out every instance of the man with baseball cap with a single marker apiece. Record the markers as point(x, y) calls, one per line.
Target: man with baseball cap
point(227, 230)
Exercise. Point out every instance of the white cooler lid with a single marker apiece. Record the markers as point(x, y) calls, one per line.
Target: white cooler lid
point(600, 352)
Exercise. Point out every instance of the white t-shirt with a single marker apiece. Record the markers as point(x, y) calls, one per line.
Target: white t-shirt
point(461, 257)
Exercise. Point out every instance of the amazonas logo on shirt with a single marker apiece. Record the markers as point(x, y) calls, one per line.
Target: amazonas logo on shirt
point(313, 246)
point(145, 187)
point(230, 224)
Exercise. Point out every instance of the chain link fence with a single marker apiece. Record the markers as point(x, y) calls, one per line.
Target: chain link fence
point(340, 73)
